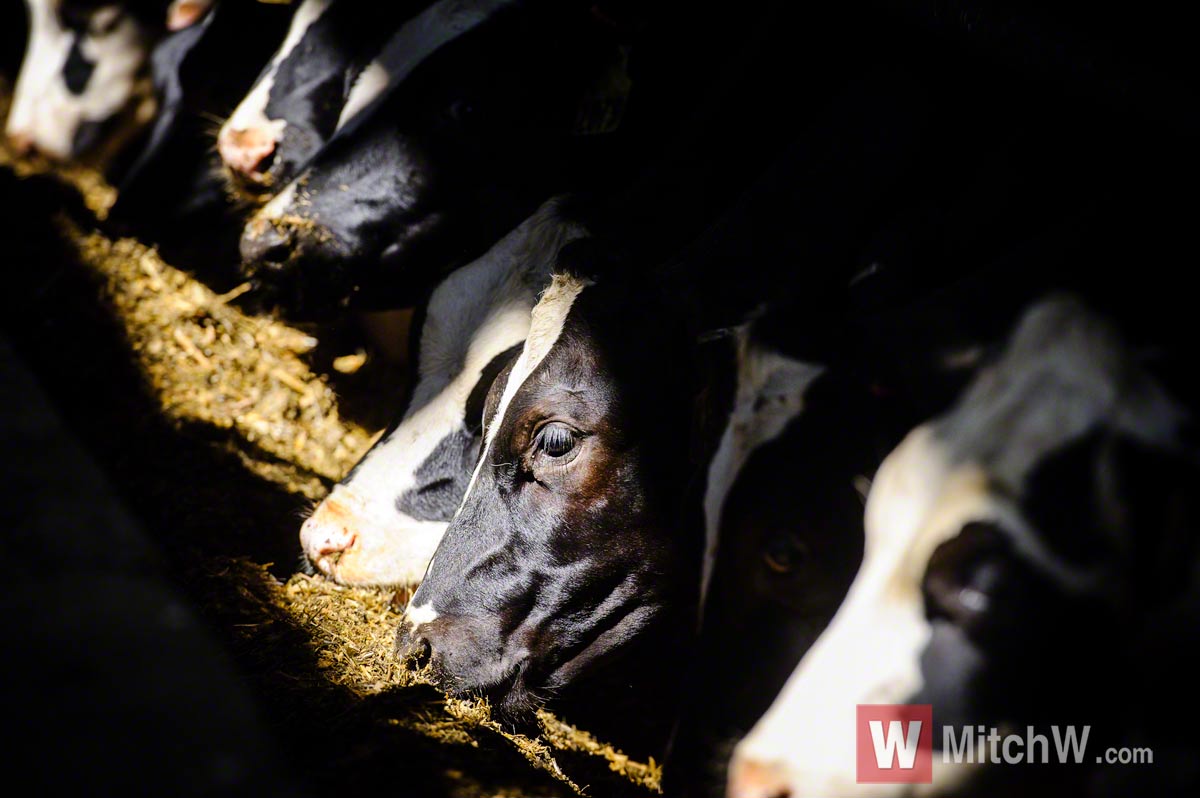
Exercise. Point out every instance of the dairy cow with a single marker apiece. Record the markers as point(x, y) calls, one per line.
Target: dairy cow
point(571, 547)
point(384, 521)
point(577, 553)
point(467, 138)
point(323, 73)
point(1015, 547)
point(83, 87)
point(783, 497)
point(172, 192)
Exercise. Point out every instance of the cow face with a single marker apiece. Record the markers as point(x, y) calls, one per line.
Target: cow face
point(308, 69)
point(791, 536)
point(783, 509)
point(321, 75)
point(567, 548)
point(383, 523)
point(472, 130)
point(1004, 542)
point(83, 87)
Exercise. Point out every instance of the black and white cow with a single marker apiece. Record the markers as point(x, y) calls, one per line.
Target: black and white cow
point(1023, 554)
point(467, 138)
point(381, 525)
point(84, 87)
point(783, 537)
point(579, 542)
point(172, 193)
point(651, 207)
point(323, 73)
point(569, 550)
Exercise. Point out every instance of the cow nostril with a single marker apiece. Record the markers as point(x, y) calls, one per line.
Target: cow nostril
point(247, 152)
point(268, 246)
point(336, 547)
point(422, 655)
point(415, 653)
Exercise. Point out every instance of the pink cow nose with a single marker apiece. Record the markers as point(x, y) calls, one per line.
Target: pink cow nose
point(324, 537)
point(21, 143)
point(185, 13)
point(752, 779)
point(247, 152)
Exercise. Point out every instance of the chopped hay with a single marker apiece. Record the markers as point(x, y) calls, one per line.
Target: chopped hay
point(97, 194)
point(212, 364)
point(322, 652)
point(351, 632)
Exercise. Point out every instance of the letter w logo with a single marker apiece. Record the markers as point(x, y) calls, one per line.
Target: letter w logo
point(895, 743)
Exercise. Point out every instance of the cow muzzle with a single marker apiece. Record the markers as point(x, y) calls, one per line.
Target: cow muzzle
point(247, 152)
point(464, 655)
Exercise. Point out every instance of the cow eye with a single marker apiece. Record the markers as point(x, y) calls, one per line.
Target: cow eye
point(964, 574)
point(784, 553)
point(555, 440)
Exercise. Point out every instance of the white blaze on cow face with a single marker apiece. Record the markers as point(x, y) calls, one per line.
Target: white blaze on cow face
point(870, 652)
point(369, 84)
point(545, 326)
point(358, 535)
point(70, 79)
point(248, 136)
point(416, 616)
point(770, 394)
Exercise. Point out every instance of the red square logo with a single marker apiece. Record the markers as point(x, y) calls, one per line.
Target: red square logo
point(895, 743)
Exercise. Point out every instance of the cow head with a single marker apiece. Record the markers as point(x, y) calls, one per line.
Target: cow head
point(568, 548)
point(469, 131)
point(1007, 544)
point(321, 75)
point(783, 513)
point(84, 87)
point(383, 522)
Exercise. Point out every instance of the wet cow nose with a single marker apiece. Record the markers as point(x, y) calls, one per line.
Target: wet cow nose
point(412, 647)
point(247, 152)
point(185, 13)
point(21, 143)
point(265, 245)
point(323, 539)
point(749, 778)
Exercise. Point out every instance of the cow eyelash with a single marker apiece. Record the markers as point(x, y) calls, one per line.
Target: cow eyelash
point(555, 440)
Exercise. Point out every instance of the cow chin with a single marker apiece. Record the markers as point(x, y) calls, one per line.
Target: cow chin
point(392, 558)
point(512, 701)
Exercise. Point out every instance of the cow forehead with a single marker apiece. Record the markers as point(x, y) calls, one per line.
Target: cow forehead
point(546, 324)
